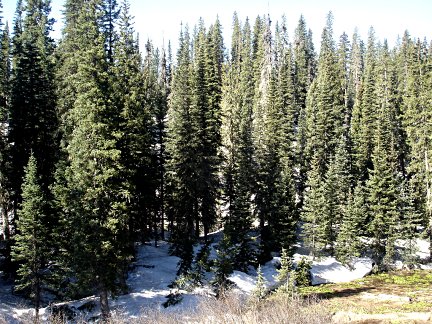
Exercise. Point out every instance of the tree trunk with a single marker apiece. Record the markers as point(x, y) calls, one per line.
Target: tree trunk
point(428, 199)
point(104, 305)
point(5, 222)
point(37, 294)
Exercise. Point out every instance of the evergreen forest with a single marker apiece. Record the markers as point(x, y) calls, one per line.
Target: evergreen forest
point(103, 145)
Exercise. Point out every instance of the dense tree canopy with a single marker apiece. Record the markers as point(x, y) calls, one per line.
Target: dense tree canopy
point(102, 146)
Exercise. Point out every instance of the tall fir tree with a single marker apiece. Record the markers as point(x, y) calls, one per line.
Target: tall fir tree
point(348, 241)
point(315, 213)
point(417, 121)
point(32, 119)
point(326, 113)
point(364, 113)
point(93, 197)
point(338, 184)
point(31, 248)
point(182, 146)
point(5, 70)
point(237, 144)
point(131, 95)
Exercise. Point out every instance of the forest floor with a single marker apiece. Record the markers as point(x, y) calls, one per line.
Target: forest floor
point(395, 297)
point(351, 295)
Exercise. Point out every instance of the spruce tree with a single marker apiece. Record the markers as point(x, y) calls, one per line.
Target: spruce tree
point(364, 113)
point(260, 290)
point(236, 131)
point(348, 243)
point(315, 213)
point(32, 119)
point(5, 70)
point(93, 199)
point(326, 110)
point(31, 248)
point(382, 198)
point(417, 123)
point(182, 164)
point(411, 221)
point(338, 183)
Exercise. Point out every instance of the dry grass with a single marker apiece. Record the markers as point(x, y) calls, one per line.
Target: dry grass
point(410, 291)
point(234, 309)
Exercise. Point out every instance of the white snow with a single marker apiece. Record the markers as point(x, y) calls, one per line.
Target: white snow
point(154, 269)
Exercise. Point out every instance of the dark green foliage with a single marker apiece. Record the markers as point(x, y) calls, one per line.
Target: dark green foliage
point(260, 290)
point(348, 243)
point(302, 275)
point(265, 135)
point(32, 240)
point(194, 138)
point(93, 199)
point(237, 145)
point(410, 224)
point(182, 144)
point(5, 70)
point(223, 267)
point(285, 276)
point(32, 116)
point(315, 213)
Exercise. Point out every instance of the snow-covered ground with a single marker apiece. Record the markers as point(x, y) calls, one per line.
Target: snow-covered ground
point(154, 269)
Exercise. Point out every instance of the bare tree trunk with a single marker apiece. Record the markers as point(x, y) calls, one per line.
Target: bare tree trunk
point(37, 297)
point(428, 199)
point(104, 305)
point(5, 222)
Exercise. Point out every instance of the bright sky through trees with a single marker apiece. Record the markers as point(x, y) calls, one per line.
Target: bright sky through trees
point(160, 20)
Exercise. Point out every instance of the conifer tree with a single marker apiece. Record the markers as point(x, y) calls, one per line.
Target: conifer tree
point(260, 290)
point(326, 110)
point(31, 249)
point(182, 147)
point(417, 121)
point(134, 95)
point(338, 183)
point(32, 119)
point(315, 213)
point(382, 198)
point(94, 200)
point(285, 273)
point(304, 72)
point(237, 144)
point(364, 117)
point(5, 70)
point(411, 221)
point(356, 68)
point(348, 244)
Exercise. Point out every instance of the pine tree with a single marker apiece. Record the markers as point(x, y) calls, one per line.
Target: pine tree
point(326, 107)
point(338, 183)
point(417, 121)
point(382, 198)
point(303, 276)
point(236, 131)
point(315, 214)
point(304, 73)
point(348, 243)
point(32, 120)
point(411, 221)
point(223, 266)
point(285, 273)
point(356, 69)
point(94, 200)
point(364, 117)
point(31, 249)
point(260, 290)
point(5, 70)
point(182, 165)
